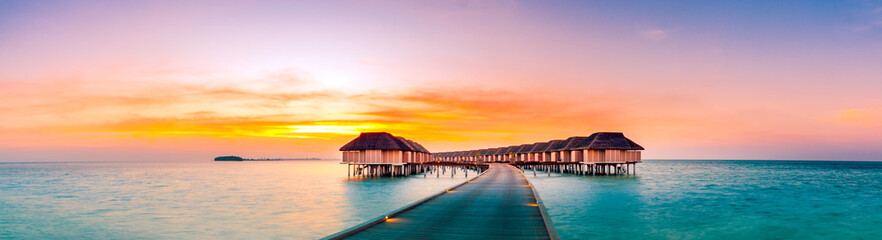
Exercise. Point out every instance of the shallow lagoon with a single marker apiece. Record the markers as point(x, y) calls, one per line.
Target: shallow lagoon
point(311, 199)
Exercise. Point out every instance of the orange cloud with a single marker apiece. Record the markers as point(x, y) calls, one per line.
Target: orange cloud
point(175, 110)
point(869, 117)
point(281, 114)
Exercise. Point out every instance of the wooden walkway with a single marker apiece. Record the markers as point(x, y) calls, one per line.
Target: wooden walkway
point(498, 204)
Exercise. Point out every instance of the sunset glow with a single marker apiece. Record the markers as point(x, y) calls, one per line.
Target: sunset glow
point(351, 130)
point(110, 79)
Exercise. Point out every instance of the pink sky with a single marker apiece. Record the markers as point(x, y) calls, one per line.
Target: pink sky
point(177, 81)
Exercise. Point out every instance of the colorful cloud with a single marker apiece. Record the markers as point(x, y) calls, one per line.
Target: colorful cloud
point(84, 79)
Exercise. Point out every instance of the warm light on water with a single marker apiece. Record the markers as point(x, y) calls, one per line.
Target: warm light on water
point(311, 199)
point(196, 200)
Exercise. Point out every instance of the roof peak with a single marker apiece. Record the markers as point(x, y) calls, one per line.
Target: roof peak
point(382, 141)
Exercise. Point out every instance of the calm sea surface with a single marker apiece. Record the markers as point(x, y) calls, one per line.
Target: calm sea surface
point(311, 199)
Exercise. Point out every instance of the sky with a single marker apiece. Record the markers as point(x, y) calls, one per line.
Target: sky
point(190, 80)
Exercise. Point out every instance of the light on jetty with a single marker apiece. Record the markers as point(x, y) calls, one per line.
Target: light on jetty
point(482, 208)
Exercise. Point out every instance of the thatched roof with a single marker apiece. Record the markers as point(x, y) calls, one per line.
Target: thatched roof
point(376, 141)
point(558, 145)
point(498, 151)
point(551, 145)
point(608, 140)
point(479, 151)
point(469, 153)
point(382, 141)
point(575, 142)
point(409, 144)
point(510, 149)
point(485, 152)
point(418, 147)
point(539, 147)
point(524, 148)
point(596, 141)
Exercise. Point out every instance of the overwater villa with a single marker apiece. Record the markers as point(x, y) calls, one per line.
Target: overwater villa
point(381, 153)
point(601, 147)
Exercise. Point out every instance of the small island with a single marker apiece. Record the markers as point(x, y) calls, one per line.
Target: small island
point(237, 158)
point(229, 158)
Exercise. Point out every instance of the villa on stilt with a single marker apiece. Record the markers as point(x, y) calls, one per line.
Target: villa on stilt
point(601, 153)
point(381, 154)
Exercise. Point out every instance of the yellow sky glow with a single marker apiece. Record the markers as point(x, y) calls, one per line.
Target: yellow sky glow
point(197, 80)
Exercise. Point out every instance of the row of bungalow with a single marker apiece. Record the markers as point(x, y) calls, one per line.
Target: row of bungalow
point(384, 148)
point(601, 147)
point(381, 154)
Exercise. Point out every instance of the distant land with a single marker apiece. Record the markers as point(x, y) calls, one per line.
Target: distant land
point(237, 158)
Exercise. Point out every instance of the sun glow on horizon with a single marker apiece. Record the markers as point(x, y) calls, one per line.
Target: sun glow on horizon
point(698, 82)
point(348, 130)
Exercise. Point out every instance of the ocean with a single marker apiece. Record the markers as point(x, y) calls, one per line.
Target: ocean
point(669, 199)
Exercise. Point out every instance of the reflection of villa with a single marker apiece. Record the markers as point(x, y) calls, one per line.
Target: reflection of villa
point(380, 153)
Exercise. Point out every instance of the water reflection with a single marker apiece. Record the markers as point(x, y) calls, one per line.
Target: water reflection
point(365, 193)
point(229, 200)
point(719, 200)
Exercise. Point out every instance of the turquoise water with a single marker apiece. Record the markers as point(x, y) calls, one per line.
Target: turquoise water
point(196, 200)
point(311, 199)
point(720, 200)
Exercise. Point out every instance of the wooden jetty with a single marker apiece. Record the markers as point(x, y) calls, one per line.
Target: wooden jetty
point(499, 203)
